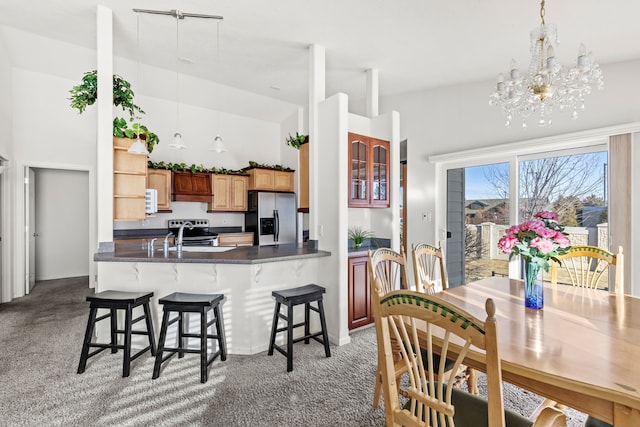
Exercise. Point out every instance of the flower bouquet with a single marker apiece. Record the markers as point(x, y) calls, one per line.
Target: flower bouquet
point(538, 241)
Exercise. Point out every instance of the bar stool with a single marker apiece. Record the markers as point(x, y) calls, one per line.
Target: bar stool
point(191, 303)
point(114, 301)
point(291, 297)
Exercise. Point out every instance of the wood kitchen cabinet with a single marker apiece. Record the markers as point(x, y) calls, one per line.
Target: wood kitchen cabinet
point(160, 179)
point(191, 187)
point(360, 310)
point(129, 182)
point(235, 239)
point(270, 179)
point(368, 172)
point(229, 193)
point(303, 178)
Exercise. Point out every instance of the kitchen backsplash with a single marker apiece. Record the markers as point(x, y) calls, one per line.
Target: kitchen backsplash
point(183, 210)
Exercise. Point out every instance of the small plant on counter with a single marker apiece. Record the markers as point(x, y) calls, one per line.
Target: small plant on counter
point(296, 141)
point(359, 235)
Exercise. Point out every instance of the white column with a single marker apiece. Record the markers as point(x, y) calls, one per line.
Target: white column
point(317, 80)
point(104, 149)
point(372, 92)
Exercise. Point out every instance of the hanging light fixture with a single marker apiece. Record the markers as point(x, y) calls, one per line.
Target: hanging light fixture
point(218, 145)
point(177, 143)
point(546, 84)
point(138, 147)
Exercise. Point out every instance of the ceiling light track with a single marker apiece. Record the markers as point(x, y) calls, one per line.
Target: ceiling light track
point(178, 14)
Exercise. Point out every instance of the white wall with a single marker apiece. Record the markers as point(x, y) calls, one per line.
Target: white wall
point(451, 119)
point(62, 223)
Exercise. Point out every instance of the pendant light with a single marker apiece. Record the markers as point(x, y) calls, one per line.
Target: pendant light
point(138, 147)
point(218, 145)
point(177, 143)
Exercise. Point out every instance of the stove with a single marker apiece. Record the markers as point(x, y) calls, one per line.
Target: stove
point(200, 235)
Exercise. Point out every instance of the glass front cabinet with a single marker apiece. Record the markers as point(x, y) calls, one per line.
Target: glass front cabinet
point(369, 172)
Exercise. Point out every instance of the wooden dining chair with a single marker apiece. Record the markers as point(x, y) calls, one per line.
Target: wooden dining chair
point(586, 266)
point(413, 319)
point(429, 267)
point(388, 268)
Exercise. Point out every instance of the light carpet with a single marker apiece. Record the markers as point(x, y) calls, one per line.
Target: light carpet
point(40, 341)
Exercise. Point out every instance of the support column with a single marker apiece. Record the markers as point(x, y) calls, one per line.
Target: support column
point(317, 84)
point(372, 92)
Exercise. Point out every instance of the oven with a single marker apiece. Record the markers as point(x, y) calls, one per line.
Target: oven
point(199, 235)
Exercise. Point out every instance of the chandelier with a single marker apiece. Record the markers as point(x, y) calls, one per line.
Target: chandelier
point(546, 84)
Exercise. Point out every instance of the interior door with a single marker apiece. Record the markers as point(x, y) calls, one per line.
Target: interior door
point(30, 229)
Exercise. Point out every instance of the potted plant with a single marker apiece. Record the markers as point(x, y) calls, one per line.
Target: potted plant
point(86, 93)
point(296, 141)
point(359, 235)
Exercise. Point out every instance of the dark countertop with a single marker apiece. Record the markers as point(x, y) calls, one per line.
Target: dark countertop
point(134, 252)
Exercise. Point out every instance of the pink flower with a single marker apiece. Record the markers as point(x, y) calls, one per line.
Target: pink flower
point(547, 215)
point(562, 240)
point(547, 233)
point(506, 243)
point(532, 225)
point(543, 245)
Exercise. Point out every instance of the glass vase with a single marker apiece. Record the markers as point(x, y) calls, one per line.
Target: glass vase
point(533, 290)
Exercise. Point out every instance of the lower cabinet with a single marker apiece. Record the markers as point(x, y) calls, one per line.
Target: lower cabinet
point(235, 239)
point(360, 310)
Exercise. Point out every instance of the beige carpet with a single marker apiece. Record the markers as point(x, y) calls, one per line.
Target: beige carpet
point(40, 340)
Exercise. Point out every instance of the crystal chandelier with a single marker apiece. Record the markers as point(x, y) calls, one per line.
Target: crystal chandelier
point(546, 84)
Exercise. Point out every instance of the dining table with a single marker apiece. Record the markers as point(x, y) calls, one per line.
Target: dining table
point(581, 350)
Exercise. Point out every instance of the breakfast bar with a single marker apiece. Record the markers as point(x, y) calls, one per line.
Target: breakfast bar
point(245, 275)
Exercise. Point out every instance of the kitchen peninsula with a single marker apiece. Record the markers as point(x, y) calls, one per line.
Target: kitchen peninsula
point(245, 275)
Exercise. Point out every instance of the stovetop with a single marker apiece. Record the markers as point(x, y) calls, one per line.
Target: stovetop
point(200, 229)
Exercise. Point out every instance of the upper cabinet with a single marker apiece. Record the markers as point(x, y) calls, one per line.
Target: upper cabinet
point(368, 172)
point(270, 179)
point(303, 174)
point(191, 187)
point(229, 193)
point(129, 182)
point(160, 179)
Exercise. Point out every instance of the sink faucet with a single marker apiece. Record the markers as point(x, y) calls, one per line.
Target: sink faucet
point(165, 244)
point(187, 224)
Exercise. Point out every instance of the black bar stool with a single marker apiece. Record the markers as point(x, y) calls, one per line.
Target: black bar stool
point(291, 297)
point(113, 301)
point(191, 303)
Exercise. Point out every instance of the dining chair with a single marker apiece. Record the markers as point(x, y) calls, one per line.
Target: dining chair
point(586, 266)
point(413, 319)
point(428, 267)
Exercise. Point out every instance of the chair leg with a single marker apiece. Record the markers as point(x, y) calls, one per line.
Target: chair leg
point(222, 341)
point(307, 329)
point(180, 333)
point(203, 345)
point(84, 355)
point(323, 325)
point(114, 326)
point(160, 350)
point(150, 332)
point(274, 328)
point(289, 337)
point(126, 361)
point(377, 389)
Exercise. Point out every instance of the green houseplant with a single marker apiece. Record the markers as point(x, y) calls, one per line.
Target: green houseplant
point(86, 93)
point(359, 235)
point(295, 141)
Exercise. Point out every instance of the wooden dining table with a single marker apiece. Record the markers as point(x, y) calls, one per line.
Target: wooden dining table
point(581, 350)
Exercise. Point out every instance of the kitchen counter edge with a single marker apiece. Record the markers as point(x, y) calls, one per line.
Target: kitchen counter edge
point(127, 252)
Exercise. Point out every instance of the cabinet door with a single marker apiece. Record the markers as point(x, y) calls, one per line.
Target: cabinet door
point(282, 181)
point(238, 193)
point(358, 170)
point(261, 179)
point(379, 155)
point(191, 187)
point(221, 199)
point(303, 180)
point(160, 179)
point(360, 312)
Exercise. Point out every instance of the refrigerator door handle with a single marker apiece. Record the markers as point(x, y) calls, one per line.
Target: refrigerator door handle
point(276, 224)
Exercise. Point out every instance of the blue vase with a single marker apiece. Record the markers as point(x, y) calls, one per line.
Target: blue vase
point(533, 290)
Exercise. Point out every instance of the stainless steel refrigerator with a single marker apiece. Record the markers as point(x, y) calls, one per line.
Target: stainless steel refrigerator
point(271, 217)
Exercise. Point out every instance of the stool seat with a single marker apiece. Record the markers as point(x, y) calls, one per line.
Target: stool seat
point(114, 301)
point(291, 297)
point(180, 303)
